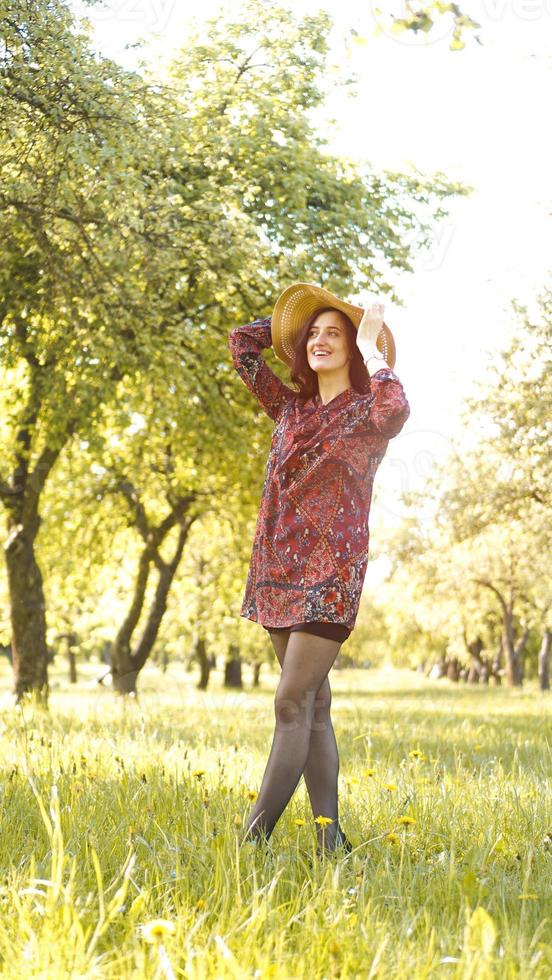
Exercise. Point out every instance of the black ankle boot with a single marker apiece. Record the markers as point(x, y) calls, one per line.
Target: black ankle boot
point(343, 841)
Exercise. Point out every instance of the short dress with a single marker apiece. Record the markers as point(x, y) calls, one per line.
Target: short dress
point(310, 548)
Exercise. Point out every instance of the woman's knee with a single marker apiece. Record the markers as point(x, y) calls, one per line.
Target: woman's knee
point(293, 705)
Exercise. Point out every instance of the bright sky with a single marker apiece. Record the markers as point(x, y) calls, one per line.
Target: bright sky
point(481, 116)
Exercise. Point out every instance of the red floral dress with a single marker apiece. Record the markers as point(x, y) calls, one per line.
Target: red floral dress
point(310, 549)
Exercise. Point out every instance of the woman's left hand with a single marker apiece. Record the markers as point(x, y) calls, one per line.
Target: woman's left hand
point(371, 324)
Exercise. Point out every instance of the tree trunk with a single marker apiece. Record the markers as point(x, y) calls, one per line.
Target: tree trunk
point(27, 612)
point(233, 668)
point(544, 660)
point(70, 644)
point(514, 665)
point(256, 673)
point(126, 664)
point(496, 669)
point(480, 668)
point(200, 652)
point(453, 669)
point(514, 662)
point(122, 667)
point(124, 681)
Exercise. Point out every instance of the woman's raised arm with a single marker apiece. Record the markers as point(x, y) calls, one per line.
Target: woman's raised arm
point(246, 344)
point(389, 408)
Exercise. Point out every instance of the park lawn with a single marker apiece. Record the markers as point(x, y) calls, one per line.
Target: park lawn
point(117, 814)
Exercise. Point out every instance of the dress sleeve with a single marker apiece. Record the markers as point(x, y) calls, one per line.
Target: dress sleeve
point(246, 344)
point(388, 404)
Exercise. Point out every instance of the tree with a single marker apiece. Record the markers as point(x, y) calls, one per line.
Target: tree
point(482, 520)
point(78, 136)
point(143, 220)
point(423, 17)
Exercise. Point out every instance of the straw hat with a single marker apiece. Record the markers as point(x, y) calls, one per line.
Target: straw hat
point(295, 305)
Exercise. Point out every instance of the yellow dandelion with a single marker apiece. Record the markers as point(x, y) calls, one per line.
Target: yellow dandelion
point(157, 930)
point(334, 947)
point(237, 820)
point(389, 786)
point(528, 896)
point(407, 821)
point(198, 773)
point(323, 821)
point(478, 747)
point(252, 794)
point(200, 904)
point(392, 838)
point(299, 822)
point(416, 754)
point(369, 772)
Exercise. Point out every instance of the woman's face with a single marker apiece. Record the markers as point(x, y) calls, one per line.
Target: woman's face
point(327, 348)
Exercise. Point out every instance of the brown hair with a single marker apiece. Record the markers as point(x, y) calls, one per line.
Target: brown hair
point(303, 374)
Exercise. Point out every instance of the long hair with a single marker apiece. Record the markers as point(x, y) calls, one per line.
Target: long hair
point(307, 379)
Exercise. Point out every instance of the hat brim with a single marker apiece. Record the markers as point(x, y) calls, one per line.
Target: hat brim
point(298, 302)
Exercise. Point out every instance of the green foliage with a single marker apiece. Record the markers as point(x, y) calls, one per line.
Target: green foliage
point(142, 219)
point(474, 548)
point(424, 17)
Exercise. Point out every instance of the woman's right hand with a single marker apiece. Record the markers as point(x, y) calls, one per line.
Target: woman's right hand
point(370, 325)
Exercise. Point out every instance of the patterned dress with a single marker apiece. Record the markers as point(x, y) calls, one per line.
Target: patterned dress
point(310, 549)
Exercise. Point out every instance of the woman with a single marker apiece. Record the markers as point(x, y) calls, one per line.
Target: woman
point(310, 550)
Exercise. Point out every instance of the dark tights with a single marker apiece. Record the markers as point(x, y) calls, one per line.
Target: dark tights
point(304, 740)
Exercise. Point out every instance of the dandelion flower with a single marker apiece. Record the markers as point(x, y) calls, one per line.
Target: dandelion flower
point(392, 838)
point(198, 773)
point(369, 772)
point(323, 821)
point(416, 754)
point(252, 794)
point(299, 822)
point(157, 930)
point(237, 820)
point(354, 780)
point(407, 821)
point(200, 904)
point(389, 786)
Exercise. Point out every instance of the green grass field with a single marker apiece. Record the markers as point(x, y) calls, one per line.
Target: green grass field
point(115, 815)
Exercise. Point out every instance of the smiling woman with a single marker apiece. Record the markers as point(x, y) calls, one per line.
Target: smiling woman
point(342, 364)
point(310, 549)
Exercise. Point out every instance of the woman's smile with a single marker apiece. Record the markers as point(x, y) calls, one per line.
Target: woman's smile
point(326, 342)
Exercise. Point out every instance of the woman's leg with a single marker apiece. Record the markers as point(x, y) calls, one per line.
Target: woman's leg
point(322, 766)
point(307, 662)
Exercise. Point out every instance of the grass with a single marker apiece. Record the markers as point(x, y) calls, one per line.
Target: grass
point(115, 815)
